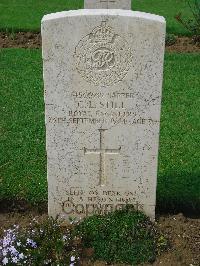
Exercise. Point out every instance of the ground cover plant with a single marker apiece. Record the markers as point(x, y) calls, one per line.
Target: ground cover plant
point(125, 236)
point(46, 243)
point(22, 139)
point(19, 15)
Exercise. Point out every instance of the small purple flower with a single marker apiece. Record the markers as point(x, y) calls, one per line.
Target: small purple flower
point(5, 261)
point(65, 238)
point(31, 243)
point(34, 245)
point(21, 256)
point(13, 238)
point(5, 252)
point(14, 259)
point(19, 244)
point(28, 241)
point(6, 242)
point(72, 258)
point(13, 250)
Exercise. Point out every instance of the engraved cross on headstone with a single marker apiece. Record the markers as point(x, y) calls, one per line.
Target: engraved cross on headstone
point(102, 151)
point(107, 4)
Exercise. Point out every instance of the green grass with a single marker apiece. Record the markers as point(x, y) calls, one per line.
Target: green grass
point(22, 140)
point(179, 167)
point(26, 15)
point(168, 9)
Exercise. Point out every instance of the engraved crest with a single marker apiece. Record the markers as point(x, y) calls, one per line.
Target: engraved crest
point(103, 57)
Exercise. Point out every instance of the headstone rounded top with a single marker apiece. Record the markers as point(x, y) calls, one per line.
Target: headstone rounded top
point(104, 12)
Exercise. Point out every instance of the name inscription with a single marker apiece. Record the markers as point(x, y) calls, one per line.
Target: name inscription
point(98, 107)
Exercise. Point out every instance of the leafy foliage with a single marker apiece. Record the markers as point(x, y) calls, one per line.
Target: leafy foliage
point(192, 25)
point(39, 244)
point(122, 236)
point(170, 39)
point(125, 236)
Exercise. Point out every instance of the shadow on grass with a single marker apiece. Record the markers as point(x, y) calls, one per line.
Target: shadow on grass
point(179, 192)
point(173, 196)
point(22, 206)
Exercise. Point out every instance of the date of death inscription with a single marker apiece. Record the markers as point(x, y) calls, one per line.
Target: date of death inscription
point(97, 108)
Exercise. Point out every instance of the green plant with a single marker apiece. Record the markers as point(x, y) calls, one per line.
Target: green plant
point(40, 244)
point(170, 39)
point(192, 25)
point(12, 35)
point(125, 236)
point(162, 243)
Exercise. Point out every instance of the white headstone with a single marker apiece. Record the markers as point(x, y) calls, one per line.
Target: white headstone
point(107, 4)
point(103, 81)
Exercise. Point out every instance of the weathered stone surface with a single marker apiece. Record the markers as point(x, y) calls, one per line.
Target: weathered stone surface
point(103, 79)
point(107, 4)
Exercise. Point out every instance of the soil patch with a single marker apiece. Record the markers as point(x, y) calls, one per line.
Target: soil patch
point(183, 234)
point(20, 40)
point(183, 45)
point(33, 40)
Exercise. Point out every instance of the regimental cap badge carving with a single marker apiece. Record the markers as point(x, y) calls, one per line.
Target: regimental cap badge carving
point(103, 57)
point(101, 34)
